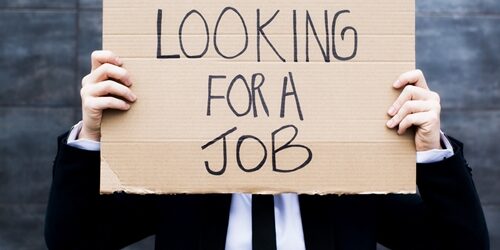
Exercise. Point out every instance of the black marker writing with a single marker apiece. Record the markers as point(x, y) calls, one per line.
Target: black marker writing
point(260, 32)
point(159, 21)
point(224, 152)
point(285, 94)
point(275, 150)
point(309, 27)
point(217, 29)
point(342, 34)
point(288, 145)
point(207, 32)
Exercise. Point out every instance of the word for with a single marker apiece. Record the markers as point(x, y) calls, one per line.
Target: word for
point(328, 47)
point(274, 151)
point(252, 91)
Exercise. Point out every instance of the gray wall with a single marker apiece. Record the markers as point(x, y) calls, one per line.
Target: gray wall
point(45, 47)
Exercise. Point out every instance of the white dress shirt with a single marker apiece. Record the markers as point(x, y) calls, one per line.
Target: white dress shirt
point(288, 222)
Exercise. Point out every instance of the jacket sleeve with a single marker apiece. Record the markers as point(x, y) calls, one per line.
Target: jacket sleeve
point(78, 217)
point(447, 213)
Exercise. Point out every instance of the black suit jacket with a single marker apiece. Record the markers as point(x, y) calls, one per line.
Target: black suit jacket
point(446, 215)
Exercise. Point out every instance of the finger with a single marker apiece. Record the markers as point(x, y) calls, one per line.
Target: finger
point(414, 77)
point(110, 71)
point(100, 57)
point(410, 107)
point(409, 93)
point(417, 119)
point(111, 88)
point(107, 102)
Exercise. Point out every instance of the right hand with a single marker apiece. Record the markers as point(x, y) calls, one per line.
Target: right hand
point(106, 87)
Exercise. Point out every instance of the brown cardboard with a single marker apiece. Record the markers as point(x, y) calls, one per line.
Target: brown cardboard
point(162, 143)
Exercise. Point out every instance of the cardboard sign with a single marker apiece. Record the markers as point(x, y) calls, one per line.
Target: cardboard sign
point(259, 96)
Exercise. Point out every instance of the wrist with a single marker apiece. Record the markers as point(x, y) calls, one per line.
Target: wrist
point(421, 148)
point(89, 135)
point(426, 144)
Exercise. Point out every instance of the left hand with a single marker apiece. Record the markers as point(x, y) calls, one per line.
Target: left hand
point(417, 106)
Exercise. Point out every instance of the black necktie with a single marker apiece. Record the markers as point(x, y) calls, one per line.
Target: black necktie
point(263, 228)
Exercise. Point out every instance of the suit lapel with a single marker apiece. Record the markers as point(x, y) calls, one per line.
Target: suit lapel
point(316, 222)
point(338, 222)
point(215, 221)
point(354, 221)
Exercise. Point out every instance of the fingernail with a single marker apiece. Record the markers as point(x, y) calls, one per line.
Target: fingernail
point(389, 123)
point(128, 81)
point(396, 84)
point(391, 110)
point(133, 97)
point(118, 61)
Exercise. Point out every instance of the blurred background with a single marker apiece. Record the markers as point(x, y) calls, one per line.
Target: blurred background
point(45, 48)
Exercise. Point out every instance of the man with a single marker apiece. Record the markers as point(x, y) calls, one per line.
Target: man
point(445, 215)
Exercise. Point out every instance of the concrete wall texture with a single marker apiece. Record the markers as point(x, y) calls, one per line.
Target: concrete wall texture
point(44, 52)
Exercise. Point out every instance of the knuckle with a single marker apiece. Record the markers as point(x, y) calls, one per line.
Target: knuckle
point(108, 102)
point(106, 66)
point(121, 71)
point(85, 79)
point(106, 69)
point(107, 85)
point(436, 96)
point(407, 107)
point(408, 120)
point(86, 104)
point(125, 72)
point(405, 91)
point(438, 108)
point(403, 121)
point(95, 54)
point(124, 90)
point(404, 109)
point(107, 52)
point(435, 105)
point(83, 92)
point(408, 89)
point(433, 117)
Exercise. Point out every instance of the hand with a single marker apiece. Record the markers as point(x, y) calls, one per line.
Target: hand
point(417, 106)
point(106, 87)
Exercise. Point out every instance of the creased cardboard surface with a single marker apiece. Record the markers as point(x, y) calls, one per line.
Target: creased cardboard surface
point(337, 105)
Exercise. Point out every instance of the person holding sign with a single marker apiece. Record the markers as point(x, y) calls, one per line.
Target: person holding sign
point(445, 215)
